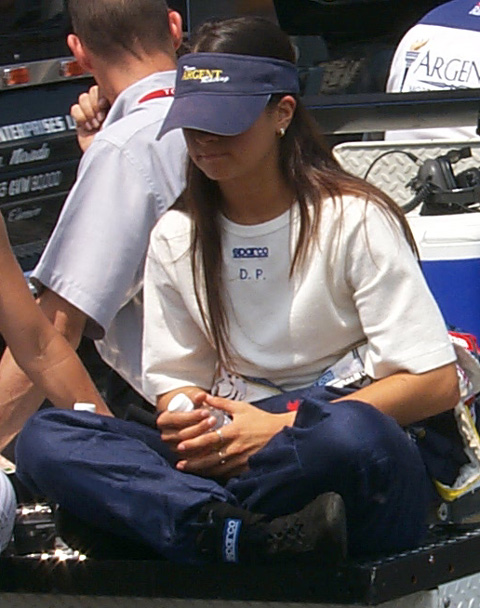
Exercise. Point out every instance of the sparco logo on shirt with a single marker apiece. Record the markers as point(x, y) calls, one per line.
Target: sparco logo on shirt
point(230, 540)
point(250, 252)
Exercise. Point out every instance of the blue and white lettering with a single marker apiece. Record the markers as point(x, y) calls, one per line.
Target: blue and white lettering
point(454, 71)
point(250, 252)
point(231, 534)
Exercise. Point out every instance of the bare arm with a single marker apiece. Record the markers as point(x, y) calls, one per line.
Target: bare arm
point(412, 397)
point(36, 347)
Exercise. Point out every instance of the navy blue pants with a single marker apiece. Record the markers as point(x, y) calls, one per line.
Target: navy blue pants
point(120, 476)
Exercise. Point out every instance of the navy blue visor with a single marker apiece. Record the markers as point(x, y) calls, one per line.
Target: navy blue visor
point(225, 94)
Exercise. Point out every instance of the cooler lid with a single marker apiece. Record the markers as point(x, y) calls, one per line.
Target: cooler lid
point(447, 237)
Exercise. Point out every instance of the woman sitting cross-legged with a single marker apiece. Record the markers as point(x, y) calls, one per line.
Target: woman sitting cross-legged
point(276, 270)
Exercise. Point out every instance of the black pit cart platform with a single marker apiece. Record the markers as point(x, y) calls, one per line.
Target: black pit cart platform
point(440, 574)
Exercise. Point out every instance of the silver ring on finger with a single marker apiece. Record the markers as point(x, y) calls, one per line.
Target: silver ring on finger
point(221, 455)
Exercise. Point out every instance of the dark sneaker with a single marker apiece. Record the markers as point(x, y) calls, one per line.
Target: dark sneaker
point(318, 532)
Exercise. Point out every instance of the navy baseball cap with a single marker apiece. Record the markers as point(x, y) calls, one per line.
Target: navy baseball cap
point(225, 94)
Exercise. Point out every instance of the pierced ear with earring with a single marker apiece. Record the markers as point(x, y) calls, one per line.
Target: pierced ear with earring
point(281, 132)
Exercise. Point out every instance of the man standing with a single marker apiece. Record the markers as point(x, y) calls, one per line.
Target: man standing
point(91, 272)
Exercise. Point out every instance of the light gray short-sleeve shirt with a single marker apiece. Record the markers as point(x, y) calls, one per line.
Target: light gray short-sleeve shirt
point(95, 257)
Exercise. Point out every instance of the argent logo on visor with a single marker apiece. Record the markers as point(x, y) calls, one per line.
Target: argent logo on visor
point(205, 76)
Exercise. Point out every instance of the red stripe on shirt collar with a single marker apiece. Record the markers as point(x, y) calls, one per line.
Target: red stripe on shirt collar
point(160, 93)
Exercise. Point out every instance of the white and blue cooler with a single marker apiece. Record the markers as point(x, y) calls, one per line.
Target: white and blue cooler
point(449, 247)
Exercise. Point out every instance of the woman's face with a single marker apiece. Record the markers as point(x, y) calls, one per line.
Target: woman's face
point(242, 156)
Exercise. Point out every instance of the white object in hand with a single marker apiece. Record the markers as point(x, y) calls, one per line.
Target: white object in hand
point(85, 407)
point(182, 403)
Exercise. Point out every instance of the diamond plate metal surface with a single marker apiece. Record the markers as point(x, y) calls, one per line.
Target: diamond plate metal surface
point(393, 172)
point(463, 593)
point(18, 600)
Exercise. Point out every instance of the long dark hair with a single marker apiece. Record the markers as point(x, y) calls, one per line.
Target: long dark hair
point(306, 164)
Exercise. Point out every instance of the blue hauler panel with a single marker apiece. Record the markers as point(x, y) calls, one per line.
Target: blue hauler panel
point(449, 247)
point(455, 285)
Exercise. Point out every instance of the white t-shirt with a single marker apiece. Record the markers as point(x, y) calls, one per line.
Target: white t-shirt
point(362, 283)
point(96, 255)
point(440, 52)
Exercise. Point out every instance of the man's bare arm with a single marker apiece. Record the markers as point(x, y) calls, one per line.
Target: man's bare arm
point(65, 381)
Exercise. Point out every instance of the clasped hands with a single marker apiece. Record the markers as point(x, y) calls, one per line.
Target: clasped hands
point(223, 452)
